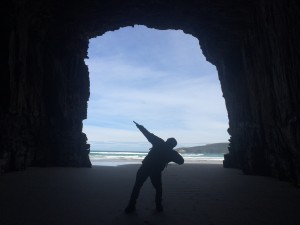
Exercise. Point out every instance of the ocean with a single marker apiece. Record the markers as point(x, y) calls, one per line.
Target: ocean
point(115, 158)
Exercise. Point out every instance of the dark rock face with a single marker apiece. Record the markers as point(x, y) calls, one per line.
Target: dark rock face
point(45, 84)
point(263, 95)
point(45, 92)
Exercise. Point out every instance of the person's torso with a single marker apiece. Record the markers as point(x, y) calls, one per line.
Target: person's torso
point(158, 157)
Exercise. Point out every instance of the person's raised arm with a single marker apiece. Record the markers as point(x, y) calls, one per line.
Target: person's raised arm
point(150, 137)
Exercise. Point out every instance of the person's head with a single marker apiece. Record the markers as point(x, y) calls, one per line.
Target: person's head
point(171, 142)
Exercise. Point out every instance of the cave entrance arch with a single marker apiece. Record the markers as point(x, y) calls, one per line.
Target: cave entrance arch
point(146, 74)
point(45, 86)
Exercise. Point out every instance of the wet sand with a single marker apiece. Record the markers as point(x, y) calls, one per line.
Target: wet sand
point(202, 194)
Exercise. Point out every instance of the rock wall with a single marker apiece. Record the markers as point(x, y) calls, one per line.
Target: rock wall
point(46, 89)
point(265, 125)
point(45, 84)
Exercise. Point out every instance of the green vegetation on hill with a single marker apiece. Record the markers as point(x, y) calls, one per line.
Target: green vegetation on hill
point(217, 148)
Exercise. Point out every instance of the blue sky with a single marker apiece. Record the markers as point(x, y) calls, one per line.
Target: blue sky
point(161, 80)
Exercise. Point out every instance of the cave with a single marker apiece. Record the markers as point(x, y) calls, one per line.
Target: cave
point(45, 82)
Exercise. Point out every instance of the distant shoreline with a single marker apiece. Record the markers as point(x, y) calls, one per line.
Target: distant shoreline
point(215, 148)
point(105, 162)
point(220, 147)
point(123, 158)
point(208, 154)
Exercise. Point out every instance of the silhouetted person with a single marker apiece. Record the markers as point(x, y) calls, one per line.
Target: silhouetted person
point(153, 164)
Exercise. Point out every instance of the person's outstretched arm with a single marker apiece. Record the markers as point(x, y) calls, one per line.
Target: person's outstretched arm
point(176, 158)
point(150, 137)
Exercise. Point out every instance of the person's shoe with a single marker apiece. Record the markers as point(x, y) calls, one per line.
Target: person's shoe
point(130, 209)
point(159, 208)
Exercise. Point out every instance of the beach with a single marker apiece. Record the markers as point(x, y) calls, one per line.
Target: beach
point(193, 194)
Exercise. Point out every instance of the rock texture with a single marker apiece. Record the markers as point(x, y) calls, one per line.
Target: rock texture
point(45, 89)
point(45, 84)
point(263, 96)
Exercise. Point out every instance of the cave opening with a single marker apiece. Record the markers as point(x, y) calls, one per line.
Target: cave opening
point(159, 78)
point(45, 82)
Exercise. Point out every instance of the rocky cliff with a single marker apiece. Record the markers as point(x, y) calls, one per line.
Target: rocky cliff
point(45, 85)
point(216, 148)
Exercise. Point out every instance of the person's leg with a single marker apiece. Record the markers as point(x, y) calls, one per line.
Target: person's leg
point(141, 177)
point(156, 182)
